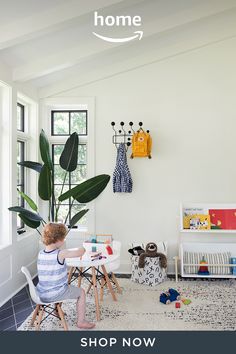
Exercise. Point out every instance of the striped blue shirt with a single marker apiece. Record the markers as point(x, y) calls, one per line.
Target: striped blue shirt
point(52, 275)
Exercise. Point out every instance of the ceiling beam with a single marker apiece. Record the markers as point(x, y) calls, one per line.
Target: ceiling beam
point(150, 50)
point(79, 53)
point(48, 20)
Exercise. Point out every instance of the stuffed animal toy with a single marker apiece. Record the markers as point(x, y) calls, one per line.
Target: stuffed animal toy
point(151, 251)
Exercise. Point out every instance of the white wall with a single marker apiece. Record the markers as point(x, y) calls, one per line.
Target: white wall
point(188, 103)
point(15, 250)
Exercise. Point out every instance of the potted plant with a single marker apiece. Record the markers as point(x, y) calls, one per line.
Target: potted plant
point(83, 193)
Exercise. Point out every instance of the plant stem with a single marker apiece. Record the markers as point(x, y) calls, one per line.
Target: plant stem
point(70, 206)
point(58, 206)
point(39, 232)
point(49, 209)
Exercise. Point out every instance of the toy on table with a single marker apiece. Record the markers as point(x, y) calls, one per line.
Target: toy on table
point(177, 305)
point(151, 251)
point(96, 255)
point(98, 258)
point(109, 250)
point(169, 296)
point(203, 269)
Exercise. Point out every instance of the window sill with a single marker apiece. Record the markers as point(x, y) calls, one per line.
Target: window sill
point(28, 233)
point(2, 247)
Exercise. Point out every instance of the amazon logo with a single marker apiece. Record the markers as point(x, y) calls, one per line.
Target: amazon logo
point(122, 20)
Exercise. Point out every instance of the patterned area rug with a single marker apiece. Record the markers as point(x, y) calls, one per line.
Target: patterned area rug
point(213, 307)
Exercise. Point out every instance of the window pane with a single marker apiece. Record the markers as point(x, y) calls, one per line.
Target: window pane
point(19, 159)
point(59, 175)
point(57, 191)
point(57, 150)
point(60, 123)
point(63, 211)
point(20, 200)
point(19, 222)
point(20, 117)
point(79, 175)
point(75, 209)
point(79, 122)
point(82, 154)
point(19, 175)
point(20, 179)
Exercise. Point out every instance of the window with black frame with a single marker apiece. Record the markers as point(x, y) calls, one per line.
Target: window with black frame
point(71, 180)
point(20, 179)
point(64, 123)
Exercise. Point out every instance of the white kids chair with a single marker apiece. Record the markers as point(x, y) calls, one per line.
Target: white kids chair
point(52, 309)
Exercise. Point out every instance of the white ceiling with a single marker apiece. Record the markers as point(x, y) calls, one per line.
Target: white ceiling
point(49, 43)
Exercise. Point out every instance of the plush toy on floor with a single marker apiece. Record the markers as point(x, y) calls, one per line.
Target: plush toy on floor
point(151, 251)
point(136, 251)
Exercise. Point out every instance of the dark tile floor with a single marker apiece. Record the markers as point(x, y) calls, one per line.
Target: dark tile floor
point(16, 310)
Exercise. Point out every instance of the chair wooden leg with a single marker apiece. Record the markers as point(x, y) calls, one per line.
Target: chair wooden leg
point(80, 278)
point(95, 293)
point(40, 317)
point(70, 274)
point(35, 314)
point(102, 289)
point(109, 283)
point(89, 288)
point(62, 318)
point(116, 283)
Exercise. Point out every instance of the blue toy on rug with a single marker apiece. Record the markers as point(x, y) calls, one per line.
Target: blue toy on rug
point(170, 296)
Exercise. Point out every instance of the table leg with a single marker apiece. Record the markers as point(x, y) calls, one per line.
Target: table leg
point(95, 293)
point(102, 289)
point(80, 277)
point(109, 283)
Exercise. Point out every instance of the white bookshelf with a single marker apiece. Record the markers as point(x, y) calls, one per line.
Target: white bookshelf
point(208, 241)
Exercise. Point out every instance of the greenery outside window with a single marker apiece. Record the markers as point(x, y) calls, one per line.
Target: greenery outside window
point(64, 123)
point(72, 179)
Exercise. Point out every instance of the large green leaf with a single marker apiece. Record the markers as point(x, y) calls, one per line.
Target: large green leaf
point(69, 157)
point(28, 200)
point(31, 223)
point(88, 190)
point(45, 150)
point(29, 214)
point(45, 183)
point(36, 166)
point(77, 217)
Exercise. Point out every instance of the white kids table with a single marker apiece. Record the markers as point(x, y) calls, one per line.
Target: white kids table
point(82, 265)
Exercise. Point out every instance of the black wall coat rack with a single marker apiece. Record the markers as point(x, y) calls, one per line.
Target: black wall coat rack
point(123, 136)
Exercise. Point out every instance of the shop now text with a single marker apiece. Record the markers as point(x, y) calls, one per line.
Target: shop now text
point(112, 341)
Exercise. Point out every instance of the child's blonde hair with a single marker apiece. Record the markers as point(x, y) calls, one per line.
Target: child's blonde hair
point(54, 232)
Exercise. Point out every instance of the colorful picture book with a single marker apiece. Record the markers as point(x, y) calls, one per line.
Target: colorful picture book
point(206, 219)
